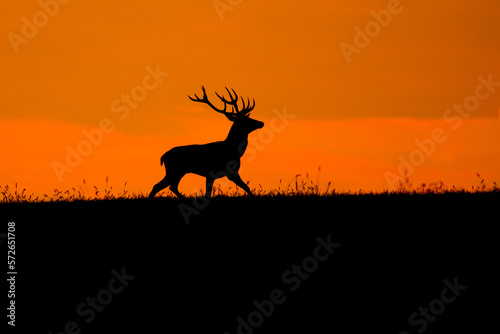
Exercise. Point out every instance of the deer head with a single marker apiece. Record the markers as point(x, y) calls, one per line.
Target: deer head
point(243, 124)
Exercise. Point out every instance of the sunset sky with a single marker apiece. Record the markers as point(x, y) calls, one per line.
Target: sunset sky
point(360, 88)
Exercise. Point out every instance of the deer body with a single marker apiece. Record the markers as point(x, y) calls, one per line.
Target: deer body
point(213, 160)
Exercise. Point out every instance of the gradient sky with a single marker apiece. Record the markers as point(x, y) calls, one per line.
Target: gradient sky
point(356, 119)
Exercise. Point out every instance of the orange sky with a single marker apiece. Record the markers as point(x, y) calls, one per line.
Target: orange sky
point(355, 116)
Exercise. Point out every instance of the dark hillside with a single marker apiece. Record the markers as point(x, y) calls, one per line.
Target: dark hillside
point(367, 263)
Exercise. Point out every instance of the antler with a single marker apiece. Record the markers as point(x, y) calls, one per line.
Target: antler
point(234, 103)
point(204, 99)
point(236, 112)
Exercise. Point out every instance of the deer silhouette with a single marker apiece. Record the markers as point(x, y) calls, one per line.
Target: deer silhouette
point(213, 160)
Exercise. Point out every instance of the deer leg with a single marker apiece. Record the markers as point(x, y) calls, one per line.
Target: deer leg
point(174, 187)
point(159, 187)
point(210, 184)
point(239, 182)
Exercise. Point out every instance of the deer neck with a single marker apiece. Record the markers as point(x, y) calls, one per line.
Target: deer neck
point(238, 139)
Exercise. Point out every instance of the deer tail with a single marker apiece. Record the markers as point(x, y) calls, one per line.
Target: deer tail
point(162, 160)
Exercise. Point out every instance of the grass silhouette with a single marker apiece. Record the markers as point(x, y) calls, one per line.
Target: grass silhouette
point(299, 186)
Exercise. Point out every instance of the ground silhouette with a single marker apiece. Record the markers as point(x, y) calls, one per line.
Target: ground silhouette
point(393, 256)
